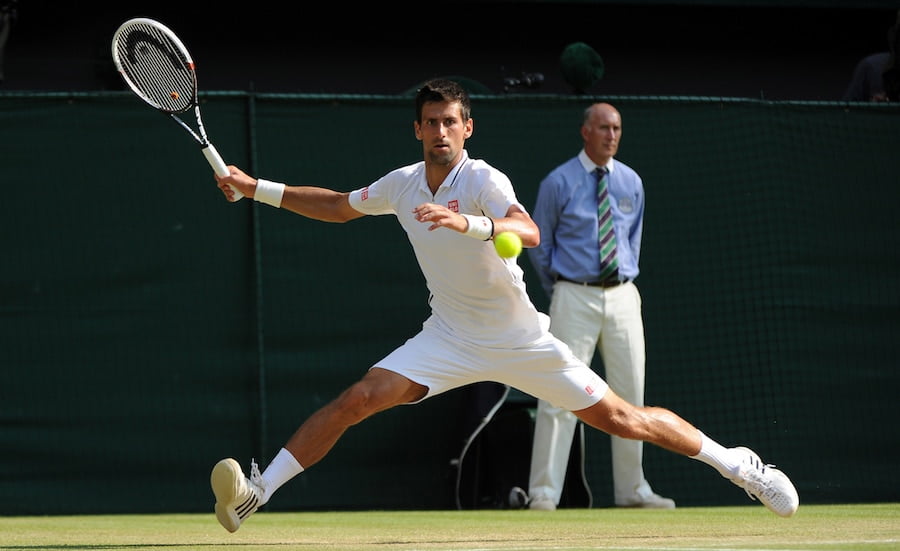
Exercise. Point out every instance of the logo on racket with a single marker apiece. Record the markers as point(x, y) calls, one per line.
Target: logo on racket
point(134, 46)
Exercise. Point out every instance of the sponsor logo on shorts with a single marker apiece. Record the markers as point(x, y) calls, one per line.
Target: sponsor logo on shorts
point(453, 205)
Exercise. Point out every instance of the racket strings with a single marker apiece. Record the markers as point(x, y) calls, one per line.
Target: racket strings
point(156, 68)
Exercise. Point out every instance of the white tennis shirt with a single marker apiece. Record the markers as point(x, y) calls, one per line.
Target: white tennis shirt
point(476, 296)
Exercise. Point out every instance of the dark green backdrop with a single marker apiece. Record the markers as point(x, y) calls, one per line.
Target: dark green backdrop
point(148, 328)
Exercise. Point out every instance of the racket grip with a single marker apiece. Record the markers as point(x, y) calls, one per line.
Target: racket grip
point(217, 164)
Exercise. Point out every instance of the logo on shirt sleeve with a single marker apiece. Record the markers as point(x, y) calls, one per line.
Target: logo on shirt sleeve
point(453, 205)
point(365, 193)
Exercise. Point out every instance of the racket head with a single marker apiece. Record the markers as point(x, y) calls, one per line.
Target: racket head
point(155, 64)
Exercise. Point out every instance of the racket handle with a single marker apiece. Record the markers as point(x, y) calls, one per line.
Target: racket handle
point(216, 162)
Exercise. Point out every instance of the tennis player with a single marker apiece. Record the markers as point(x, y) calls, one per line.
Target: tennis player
point(482, 327)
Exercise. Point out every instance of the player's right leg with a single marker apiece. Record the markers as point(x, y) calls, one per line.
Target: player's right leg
point(238, 497)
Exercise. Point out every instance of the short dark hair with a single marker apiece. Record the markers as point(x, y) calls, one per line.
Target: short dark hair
point(439, 90)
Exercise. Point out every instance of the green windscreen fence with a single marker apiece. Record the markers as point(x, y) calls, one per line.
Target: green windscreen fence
point(148, 328)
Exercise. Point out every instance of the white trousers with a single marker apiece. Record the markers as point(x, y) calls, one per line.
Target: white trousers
point(609, 321)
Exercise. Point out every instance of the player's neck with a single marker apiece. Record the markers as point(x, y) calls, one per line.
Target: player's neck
point(435, 176)
point(436, 170)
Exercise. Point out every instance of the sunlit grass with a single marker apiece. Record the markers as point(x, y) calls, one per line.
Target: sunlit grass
point(866, 527)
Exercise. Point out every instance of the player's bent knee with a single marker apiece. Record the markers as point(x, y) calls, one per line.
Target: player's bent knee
point(356, 404)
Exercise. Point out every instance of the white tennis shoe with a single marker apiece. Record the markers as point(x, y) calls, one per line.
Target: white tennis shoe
point(237, 497)
point(766, 483)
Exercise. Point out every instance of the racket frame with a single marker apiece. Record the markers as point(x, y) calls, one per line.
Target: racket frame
point(200, 136)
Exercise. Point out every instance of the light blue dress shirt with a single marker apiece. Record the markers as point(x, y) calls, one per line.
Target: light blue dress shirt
point(566, 213)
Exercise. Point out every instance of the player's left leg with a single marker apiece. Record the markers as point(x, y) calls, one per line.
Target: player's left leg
point(667, 430)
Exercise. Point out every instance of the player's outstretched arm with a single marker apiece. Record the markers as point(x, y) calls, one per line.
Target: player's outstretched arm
point(309, 201)
point(319, 203)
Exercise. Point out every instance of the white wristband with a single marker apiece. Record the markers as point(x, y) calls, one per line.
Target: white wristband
point(480, 227)
point(268, 192)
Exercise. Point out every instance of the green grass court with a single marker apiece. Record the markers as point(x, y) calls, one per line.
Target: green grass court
point(866, 527)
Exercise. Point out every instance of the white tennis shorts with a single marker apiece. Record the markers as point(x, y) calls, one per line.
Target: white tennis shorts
point(545, 368)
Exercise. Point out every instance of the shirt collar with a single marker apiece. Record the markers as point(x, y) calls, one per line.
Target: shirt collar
point(452, 175)
point(590, 166)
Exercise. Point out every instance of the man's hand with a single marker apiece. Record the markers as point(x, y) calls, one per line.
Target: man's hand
point(440, 217)
point(236, 180)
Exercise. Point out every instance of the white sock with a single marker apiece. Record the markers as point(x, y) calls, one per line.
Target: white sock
point(283, 468)
point(720, 458)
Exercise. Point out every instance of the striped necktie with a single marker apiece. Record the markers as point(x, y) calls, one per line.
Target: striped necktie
point(609, 263)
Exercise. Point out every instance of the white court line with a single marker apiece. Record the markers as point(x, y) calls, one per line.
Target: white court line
point(645, 548)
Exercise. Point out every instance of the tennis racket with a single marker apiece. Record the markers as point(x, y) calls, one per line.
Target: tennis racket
point(157, 67)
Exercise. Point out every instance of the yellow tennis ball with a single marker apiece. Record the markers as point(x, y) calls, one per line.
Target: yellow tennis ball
point(508, 244)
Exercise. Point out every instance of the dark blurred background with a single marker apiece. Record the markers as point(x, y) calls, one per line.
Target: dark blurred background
point(780, 50)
